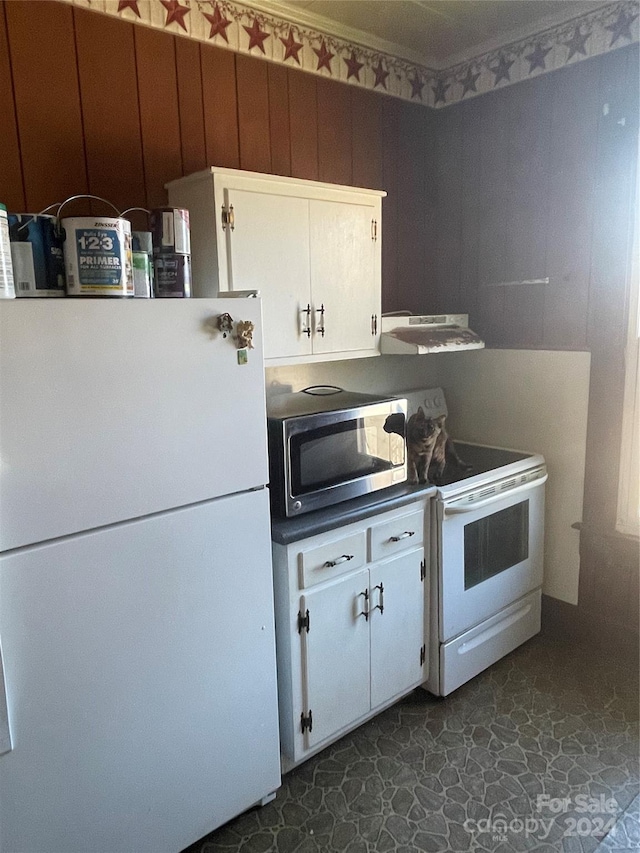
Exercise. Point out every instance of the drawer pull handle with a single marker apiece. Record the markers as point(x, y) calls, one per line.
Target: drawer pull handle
point(365, 612)
point(405, 535)
point(343, 559)
point(380, 606)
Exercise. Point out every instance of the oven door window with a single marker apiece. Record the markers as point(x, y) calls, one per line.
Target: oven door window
point(344, 451)
point(495, 543)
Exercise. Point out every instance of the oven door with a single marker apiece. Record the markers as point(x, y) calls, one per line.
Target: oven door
point(490, 555)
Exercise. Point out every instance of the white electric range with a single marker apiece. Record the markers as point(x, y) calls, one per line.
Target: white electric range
point(486, 556)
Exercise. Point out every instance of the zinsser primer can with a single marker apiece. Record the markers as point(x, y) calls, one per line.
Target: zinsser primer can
point(37, 255)
point(97, 256)
point(170, 229)
point(7, 290)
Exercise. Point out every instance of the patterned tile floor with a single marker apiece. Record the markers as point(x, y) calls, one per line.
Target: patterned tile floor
point(540, 752)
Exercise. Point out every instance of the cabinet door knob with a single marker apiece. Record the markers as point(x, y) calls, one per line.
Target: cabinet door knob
point(320, 329)
point(405, 535)
point(343, 559)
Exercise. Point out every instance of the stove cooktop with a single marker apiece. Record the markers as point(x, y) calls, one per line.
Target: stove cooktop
point(481, 459)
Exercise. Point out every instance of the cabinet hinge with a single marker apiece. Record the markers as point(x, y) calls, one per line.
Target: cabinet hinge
point(303, 621)
point(306, 723)
point(423, 655)
point(423, 569)
point(228, 217)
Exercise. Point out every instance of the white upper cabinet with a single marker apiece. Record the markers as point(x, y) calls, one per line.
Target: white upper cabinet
point(311, 249)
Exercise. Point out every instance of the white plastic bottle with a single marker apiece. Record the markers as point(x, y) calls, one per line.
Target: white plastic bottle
point(7, 288)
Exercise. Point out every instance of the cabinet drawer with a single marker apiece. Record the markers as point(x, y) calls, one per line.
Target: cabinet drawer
point(397, 534)
point(332, 559)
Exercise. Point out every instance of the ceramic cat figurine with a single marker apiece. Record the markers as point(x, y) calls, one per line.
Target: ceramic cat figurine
point(422, 435)
point(429, 448)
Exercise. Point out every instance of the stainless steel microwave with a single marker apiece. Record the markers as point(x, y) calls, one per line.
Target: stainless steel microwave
point(328, 445)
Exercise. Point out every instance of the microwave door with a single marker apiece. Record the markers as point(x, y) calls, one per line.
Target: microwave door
point(340, 455)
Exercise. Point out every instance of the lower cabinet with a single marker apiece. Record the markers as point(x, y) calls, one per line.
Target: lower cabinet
point(398, 645)
point(351, 611)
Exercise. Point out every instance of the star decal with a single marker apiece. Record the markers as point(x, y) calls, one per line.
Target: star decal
point(440, 91)
point(324, 57)
point(218, 23)
point(175, 13)
point(537, 57)
point(381, 75)
point(469, 81)
point(622, 27)
point(576, 43)
point(291, 47)
point(502, 70)
point(129, 4)
point(257, 37)
point(417, 85)
point(354, 66)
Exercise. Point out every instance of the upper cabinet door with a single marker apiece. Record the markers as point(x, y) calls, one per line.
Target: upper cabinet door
point(267, 249)
point(345, 280)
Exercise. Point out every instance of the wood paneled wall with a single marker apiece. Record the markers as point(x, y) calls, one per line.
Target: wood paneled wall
point(523, 177)
point(537, 180)
point(94, 104)
point(530, 181)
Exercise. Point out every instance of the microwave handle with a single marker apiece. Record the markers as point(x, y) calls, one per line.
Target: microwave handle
point(457, 510)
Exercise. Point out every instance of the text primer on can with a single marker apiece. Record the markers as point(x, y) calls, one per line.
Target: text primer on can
point(7, 289)
point(97, 256)
point(37, 255)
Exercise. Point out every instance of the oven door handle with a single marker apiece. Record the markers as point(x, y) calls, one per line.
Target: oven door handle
point(525, 487)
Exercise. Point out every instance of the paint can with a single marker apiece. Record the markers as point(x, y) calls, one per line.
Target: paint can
point(172, 276)
point(7, 289)
point(142, 275)
point(142, 241)
point(97, 256)
point(37, 255)
point(170, 229)
point(142, 255)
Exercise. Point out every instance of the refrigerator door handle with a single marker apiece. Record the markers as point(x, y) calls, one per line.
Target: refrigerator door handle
point(6, 743)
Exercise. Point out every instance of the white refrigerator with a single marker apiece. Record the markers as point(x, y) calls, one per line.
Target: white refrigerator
point(138, 706)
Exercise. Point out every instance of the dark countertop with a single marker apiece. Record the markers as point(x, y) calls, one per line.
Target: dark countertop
point(287, 530)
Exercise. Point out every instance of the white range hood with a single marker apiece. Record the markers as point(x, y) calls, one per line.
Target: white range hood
point(418, 334)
